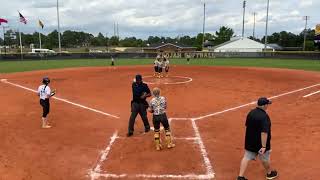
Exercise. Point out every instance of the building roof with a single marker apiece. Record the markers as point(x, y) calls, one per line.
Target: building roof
point(275, 46)
point(241, 43)
point(159, 45)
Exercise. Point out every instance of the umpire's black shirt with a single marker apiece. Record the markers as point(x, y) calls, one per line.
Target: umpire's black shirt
point(257, 122)
point(138, 90)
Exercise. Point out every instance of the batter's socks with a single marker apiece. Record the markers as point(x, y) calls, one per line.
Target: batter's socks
point(169, 140)
point(157, 140)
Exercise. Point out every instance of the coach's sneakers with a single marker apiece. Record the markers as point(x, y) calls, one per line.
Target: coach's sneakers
point(241, 178)
point(272, 175)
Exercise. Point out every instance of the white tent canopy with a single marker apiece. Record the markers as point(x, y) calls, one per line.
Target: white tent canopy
point(239, 44)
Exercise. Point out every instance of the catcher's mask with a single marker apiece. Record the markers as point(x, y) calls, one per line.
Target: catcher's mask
point(46, 80)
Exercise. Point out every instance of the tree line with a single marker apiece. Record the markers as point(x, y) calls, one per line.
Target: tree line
point(75, 39)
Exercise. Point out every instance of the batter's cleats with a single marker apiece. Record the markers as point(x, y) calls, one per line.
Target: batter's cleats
point(158, 147)
point(169, 140)
point(157, 141)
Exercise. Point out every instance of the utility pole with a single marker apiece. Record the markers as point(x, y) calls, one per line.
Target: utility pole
point(244, 12)
point(204, 24)
point(306, 18)
point(118, 30)
point(266, 35)
point(59, 38)
point(254, 24)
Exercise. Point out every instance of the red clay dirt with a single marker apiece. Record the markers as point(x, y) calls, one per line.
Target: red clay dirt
point(72, 147)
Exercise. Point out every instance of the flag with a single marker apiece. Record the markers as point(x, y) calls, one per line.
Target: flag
point(41, 24)
point(3, 21)
point(317, 30)
point(22, 19)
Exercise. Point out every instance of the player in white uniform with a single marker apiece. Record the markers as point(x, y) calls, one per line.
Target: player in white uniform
point(45, 93)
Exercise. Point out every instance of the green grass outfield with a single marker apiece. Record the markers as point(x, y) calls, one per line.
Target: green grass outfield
point(21, 66)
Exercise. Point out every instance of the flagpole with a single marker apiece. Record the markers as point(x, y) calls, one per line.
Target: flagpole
point(20, 44)
point(59, 38)
point(40, 39)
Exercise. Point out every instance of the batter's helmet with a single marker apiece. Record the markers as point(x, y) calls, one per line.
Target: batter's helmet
point(46, 80)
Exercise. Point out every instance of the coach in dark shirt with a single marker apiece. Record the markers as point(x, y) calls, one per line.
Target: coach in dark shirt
point(139, 105)
point(257, 140)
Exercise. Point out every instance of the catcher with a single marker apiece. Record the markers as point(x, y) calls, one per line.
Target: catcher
point(158, 106)
point(45, 93)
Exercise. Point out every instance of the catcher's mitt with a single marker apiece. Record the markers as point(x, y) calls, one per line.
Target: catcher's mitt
point(53, 92)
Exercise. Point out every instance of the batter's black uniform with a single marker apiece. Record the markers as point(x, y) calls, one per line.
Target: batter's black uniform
point(139, 106)
point(257, 122)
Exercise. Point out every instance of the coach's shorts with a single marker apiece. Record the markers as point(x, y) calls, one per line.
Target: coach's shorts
point(45, 107)
point(253, 155)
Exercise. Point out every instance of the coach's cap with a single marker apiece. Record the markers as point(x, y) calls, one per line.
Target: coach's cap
point(138, 77)
point(263, 101)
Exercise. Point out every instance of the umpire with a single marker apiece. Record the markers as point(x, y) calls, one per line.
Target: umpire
point(257, 140)
point(139, 105)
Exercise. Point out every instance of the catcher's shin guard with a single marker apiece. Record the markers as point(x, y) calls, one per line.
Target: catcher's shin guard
point(157, 140)
point(169, 140)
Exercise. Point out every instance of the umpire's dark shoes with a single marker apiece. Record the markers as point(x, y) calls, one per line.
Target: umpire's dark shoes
point(147, 130)
point(241, 178)
point(129, 134)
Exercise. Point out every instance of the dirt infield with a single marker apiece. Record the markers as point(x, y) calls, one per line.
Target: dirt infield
point(84, 143)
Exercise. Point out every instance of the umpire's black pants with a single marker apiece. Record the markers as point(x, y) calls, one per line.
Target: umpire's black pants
point(138, 108)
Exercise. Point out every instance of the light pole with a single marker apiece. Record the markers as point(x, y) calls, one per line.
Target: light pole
point(266, 35)
point(254, 24)
point(306, 18)
point(204, 23)
point(244, 12)
point(59, 38)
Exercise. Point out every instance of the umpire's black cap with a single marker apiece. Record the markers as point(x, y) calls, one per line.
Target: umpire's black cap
point(263, 101)
point(138, 77)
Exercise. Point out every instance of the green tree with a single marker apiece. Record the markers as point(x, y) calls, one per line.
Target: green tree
point(52, 40)
point(114, 41)
point(223, 35)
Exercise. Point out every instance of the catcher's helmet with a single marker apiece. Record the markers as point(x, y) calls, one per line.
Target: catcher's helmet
point(46, 80)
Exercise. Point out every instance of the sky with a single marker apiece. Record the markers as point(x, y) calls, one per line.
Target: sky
point(143, 18)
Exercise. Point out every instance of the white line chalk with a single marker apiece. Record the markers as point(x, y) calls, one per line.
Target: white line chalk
point(154, 176)
point(203, 150)
point(311, 94)
point(103, 157)
point(254, 102)
point(63, 100)
point(172, 83)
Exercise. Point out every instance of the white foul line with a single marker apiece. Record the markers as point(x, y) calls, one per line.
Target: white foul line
point(311, 94)
point(203, 150)
point(252, 103)
point(104, 155)
point(60, 99)
point(153, 176)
